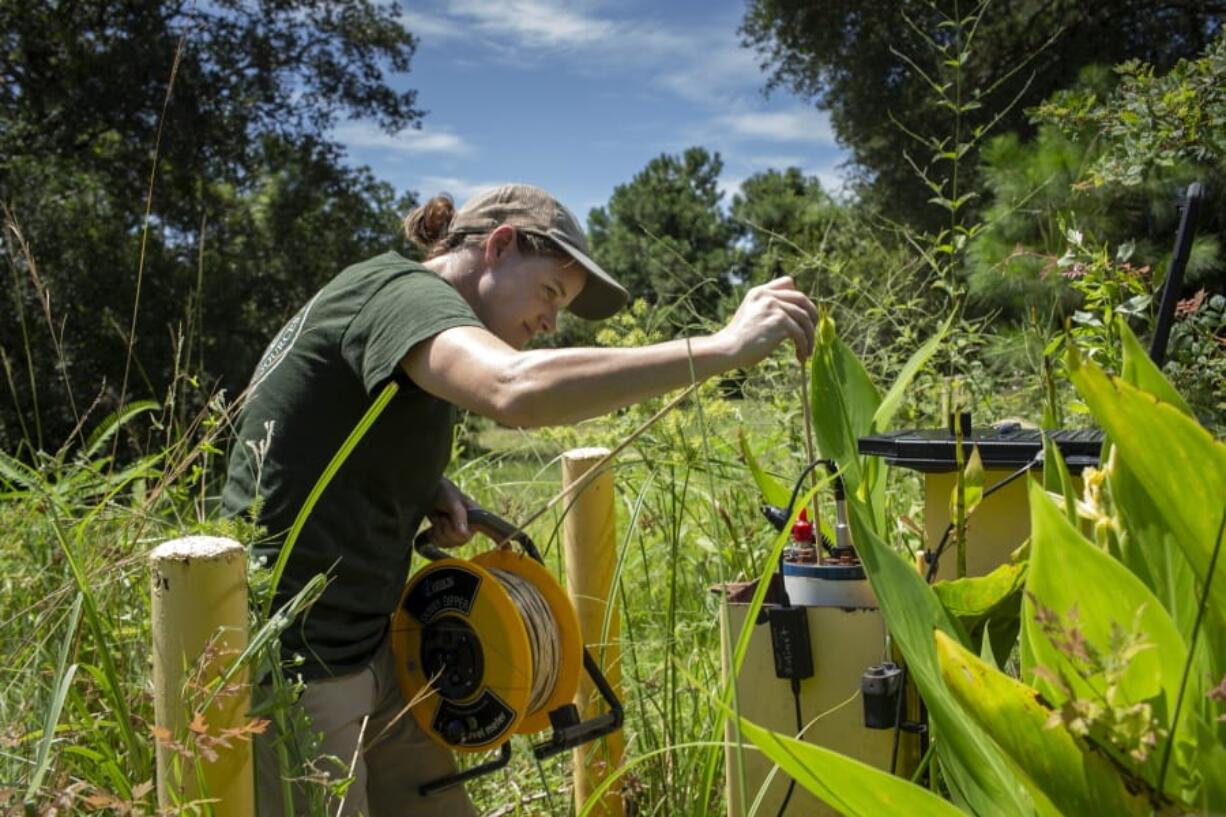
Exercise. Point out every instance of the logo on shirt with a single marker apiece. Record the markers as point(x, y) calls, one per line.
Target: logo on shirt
point(281, 345)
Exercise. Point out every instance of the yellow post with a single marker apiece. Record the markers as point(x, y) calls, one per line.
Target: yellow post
point(590, 541)
point(199, 628)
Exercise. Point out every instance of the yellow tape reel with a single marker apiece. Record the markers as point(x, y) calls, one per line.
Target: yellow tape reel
point(463, 654)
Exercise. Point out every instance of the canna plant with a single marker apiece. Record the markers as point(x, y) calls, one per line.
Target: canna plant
point(1120, 707)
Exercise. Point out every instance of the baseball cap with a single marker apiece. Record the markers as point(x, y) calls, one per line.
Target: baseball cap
point(534, 211)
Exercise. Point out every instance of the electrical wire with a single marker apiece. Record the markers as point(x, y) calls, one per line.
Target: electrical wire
point(800, 727)
point(936, 555)
point(786, 602)
point(543, 636)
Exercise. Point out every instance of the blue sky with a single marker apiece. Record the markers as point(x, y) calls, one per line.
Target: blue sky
point(578, 96)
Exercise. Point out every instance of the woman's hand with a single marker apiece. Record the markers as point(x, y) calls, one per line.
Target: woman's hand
point(449, 516)
point(770, 314)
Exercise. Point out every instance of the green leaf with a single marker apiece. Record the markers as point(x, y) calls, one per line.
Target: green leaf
point(1077, 780)
point(1141, 372)
point(844, 402)
point(972, 484)
point(1067, 573)
point(774, 492)
point(979, 596)
point(973, 766)
point(852, 787)
point(893, 398)
point(1057, 479)
point(113, 422)
point(1178, 464)
point(64, 673)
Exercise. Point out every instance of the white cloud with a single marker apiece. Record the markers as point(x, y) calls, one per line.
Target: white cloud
point(459, 189)
point(410, 140)
point(793, 125)
point(713, 65)
point(523, 29)
point(533, 23)
point(430, 26)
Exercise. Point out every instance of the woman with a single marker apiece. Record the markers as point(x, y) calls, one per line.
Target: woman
point(451, 331)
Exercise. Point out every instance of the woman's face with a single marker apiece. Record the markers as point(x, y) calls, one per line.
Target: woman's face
point(520, 295)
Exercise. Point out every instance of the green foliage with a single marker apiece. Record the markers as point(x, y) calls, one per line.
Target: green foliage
point(790, 226)
point(250, 208)
point(1110, 287)
point(1103, 653)
point(1153, 119)
point(1054, 762)
point(1036, 189)
point(1196, 357)
point(1120, 638)
point(851, 57)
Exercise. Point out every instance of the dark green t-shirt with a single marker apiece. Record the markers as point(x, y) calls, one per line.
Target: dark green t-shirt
point(316, 380)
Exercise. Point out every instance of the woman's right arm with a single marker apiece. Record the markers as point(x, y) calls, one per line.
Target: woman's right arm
point(473, 369)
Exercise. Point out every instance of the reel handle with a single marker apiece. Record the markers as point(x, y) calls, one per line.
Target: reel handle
point(482, 521)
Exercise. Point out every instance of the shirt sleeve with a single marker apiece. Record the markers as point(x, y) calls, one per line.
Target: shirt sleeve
point(403, 312)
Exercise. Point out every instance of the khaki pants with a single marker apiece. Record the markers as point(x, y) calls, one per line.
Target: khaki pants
point(394, 761)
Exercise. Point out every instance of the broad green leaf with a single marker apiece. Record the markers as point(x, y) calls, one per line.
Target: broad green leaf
point(979, 596)
point(1150, 548)
point(973, 766)
point(988, 607)
point(1141, 372)
point(1068, 573)
point(1176, 461)
point(844, 402)
point(852, 787)
point(831, 425)
point(1075, 778)
point(1211, 757)
point(861, 395)
point(893, 398)
point(1057, 479)
point(772, 490)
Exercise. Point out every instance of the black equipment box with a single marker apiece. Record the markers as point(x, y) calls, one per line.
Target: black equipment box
point(932, 449)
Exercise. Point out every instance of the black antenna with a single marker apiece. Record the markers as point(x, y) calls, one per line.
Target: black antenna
point(1174, 277)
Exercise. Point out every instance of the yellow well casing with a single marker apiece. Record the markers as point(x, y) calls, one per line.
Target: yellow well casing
point(845, 643)
point(994, 531)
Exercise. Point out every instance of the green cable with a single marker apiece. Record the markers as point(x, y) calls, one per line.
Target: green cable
point(338, 459)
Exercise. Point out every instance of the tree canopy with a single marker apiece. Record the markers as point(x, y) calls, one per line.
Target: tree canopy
point(214, 115)
point(870, 61)
point(663, 234)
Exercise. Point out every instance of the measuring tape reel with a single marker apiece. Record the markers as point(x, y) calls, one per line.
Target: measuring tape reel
point(489, 647)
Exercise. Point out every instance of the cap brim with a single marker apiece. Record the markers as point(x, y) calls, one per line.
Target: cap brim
point(601, 297)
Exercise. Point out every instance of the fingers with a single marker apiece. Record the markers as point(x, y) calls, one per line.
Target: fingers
point(801, 329)
point(456, 510)
point(444, 533)
point(449, 516)
point(783, 282)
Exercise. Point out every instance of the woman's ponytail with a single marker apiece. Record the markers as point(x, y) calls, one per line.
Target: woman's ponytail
point(428, 224)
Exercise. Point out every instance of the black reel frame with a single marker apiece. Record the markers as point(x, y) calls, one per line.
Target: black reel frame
point(568, 730)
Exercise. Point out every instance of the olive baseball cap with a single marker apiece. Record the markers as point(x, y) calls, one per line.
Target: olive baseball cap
point(534, 211)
